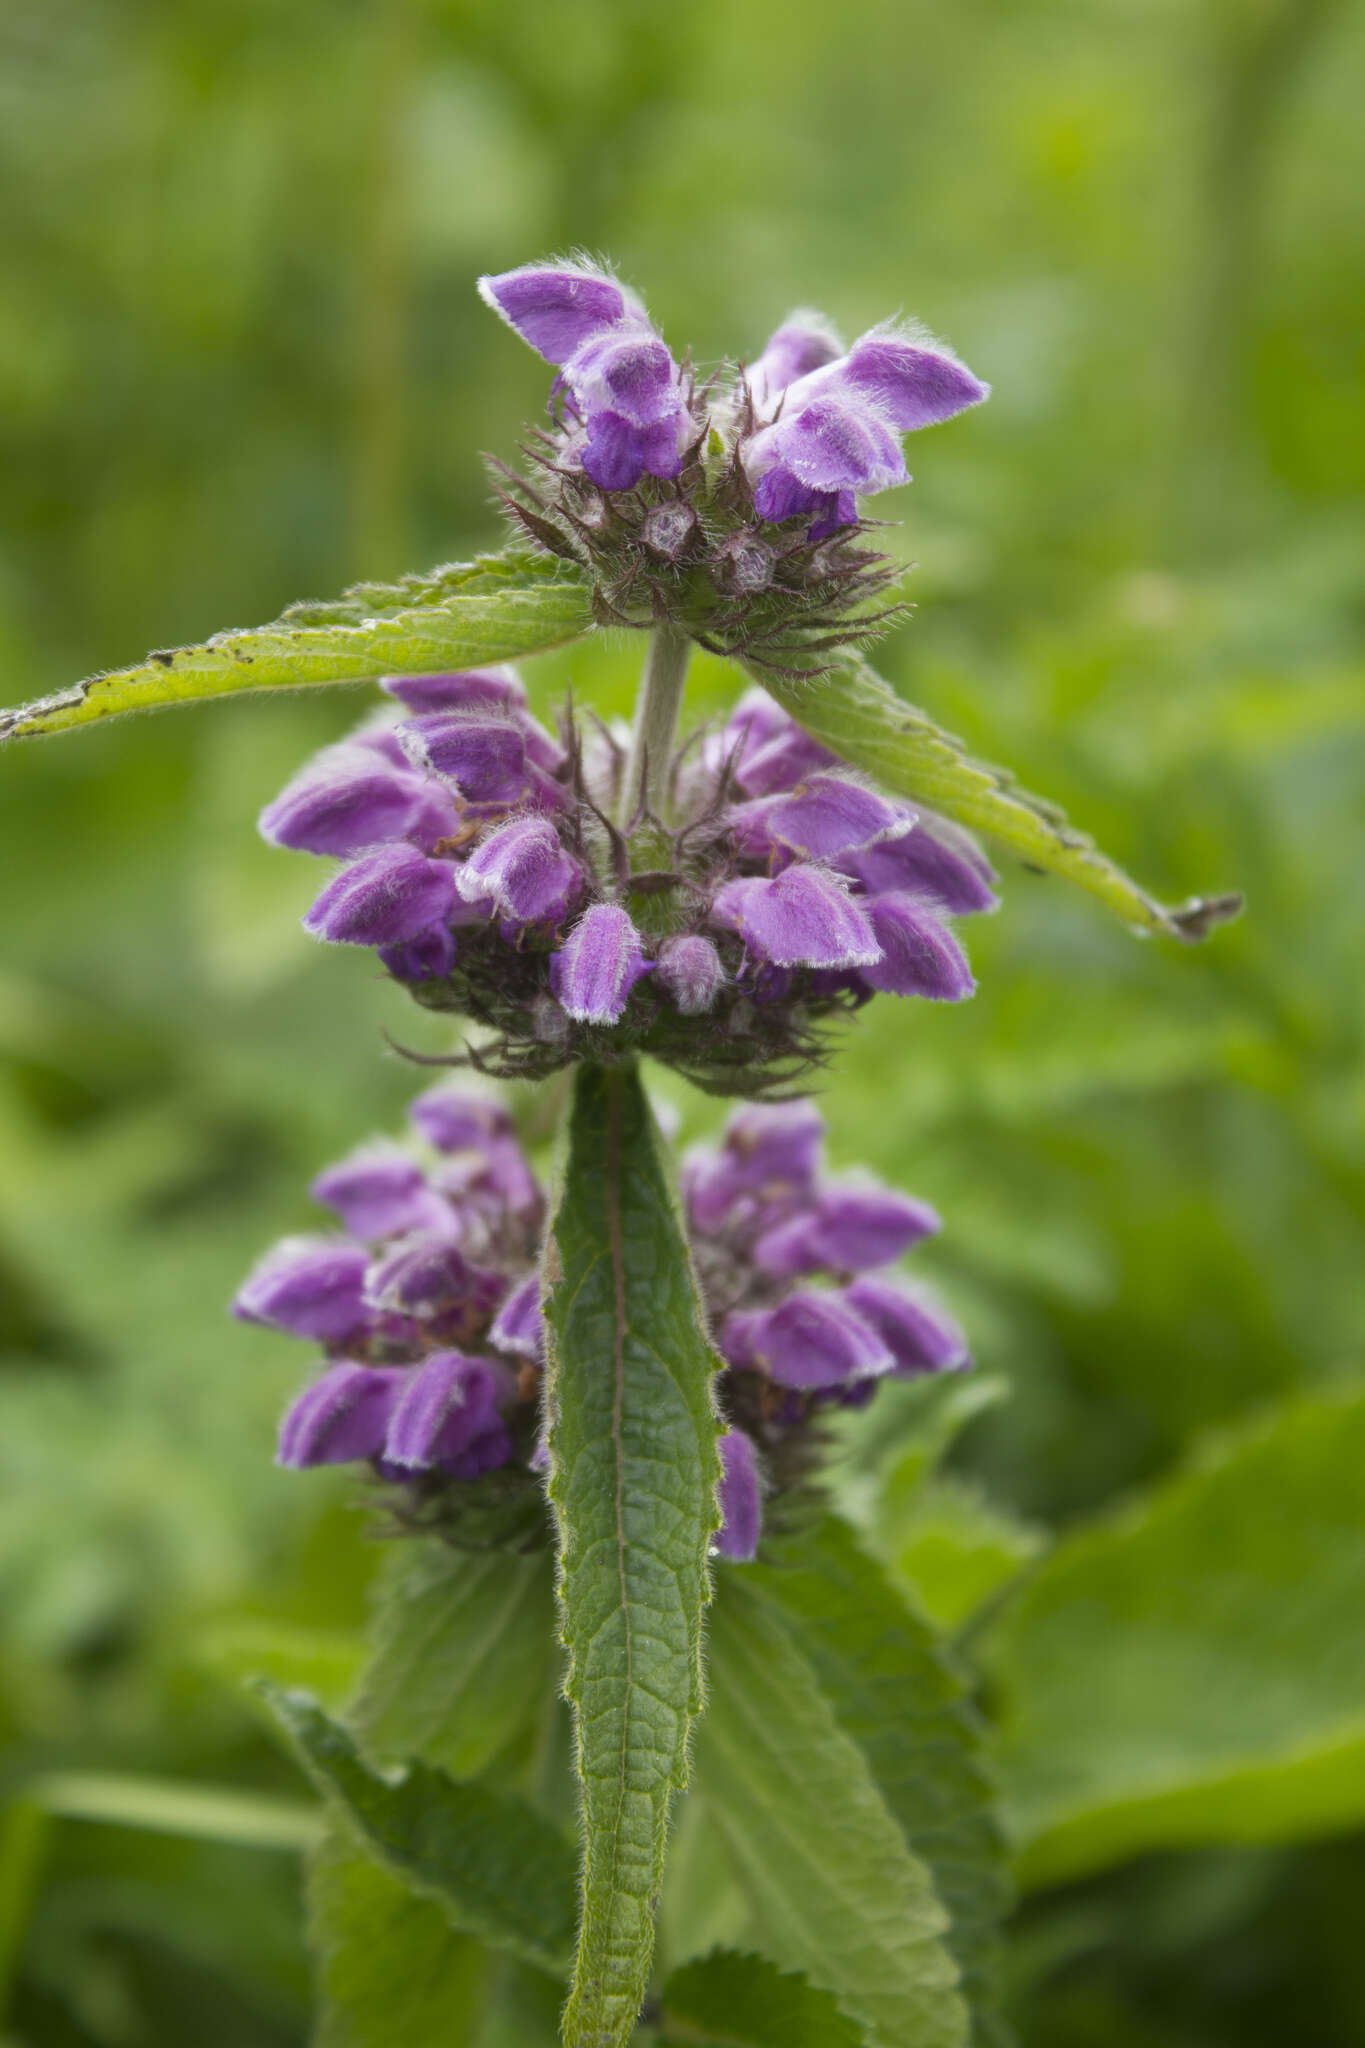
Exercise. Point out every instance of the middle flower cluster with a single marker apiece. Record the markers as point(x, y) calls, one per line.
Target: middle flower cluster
point(486, 870)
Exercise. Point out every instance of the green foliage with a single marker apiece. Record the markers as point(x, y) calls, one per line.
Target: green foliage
point(633, 1478)
point(852, 711)
point(892, 1689)
point(461, 1650)
point(461, 616)
point(489, 1861)
point(834, 1890)
point(1192, 1670)
point(741, 2001)
point(389, 1967)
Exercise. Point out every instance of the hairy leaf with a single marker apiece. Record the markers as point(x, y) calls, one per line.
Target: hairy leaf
point(634, 1469)
point(742, 2001)
point(893, 1690)
point(461, 1655)
point(494, 1866)
point(1193, 1669)
point(390, 1967)
point(834, 1888)
point(461, 616)
point(853, 712)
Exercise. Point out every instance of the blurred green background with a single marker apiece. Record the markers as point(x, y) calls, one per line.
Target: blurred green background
point(241, 361)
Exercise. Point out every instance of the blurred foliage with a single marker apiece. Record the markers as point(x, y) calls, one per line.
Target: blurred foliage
point(241, 361)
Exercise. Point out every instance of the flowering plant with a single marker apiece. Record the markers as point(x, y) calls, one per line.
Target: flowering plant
point(639, 1374)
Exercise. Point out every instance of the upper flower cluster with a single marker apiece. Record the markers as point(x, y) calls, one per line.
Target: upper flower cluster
point(428, 1306)
point(728, 506)
point(484, 867)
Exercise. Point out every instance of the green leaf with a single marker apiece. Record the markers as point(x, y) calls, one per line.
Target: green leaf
point(955, 1548)
point(390, 1967)
point(634, 1470)
point(1193, 1669)
point(323, 1661)
point(892, 1689)
point(742, 2001)
point(860, 717)
point(834, 1889)
point(461, 1656)
point(460, 616)
point(211, 1813)
point(495, 1867)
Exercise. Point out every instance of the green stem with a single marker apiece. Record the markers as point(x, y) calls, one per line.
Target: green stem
point(656, 721)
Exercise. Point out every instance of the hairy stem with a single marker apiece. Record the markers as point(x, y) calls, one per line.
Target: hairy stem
point(656, 721)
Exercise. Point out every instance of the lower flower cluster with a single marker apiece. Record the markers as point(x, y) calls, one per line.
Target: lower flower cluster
point(427, 1307)
point(485, 868)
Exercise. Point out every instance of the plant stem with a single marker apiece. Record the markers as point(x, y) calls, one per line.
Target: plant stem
point(656, 721)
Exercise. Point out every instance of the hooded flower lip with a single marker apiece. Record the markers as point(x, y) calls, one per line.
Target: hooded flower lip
point(917, 1330)
point(379, 1191)
point(690, 968)
point(808, 1341)
point(849, 1230)
point(918, 955)
point(468, 689)
point(599, 964)
point(737, 1537)
point(519, 1325)
point(823, 816)
point(804, 342)
point(309, 1287)
point(426, 1275)
point(446, 1410)
point(386, 897)
point(523, 872)
point(802, 918)
point(940, 865)
point(557, 307)
point(349, 798)
point(341, 1418)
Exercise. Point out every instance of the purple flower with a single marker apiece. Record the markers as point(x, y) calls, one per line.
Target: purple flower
point(689, 967)
point(808, 1340)
point(383, 899)
point(737, 1537)
point(447, 1416)
point(599, 964)
point(917, 1330)
point(521, 871)
point(468, 689)
point(380, 1192)
point(848, 1230)
point(341, 1418)
point(453, 1120)
point(519, 1324)
point(803, 918)
point(821, 817)
point(919, 955)
point(426, 1275)
point(836, 436)
point(934, 861)
point(483, 755)
point(771, 1151)
point(428, 957)
point(622, 382)
point(804, 342)
point(349, 798)
point(308, 1286)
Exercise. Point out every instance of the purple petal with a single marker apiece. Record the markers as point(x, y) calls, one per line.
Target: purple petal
point(920, 956)
point(832, 443)
point(803, 918)
point(453, 1120)
point(428, 957)
point(386, 897)
point(309, 1287)
point(771, 1151)
point(628, 372)
point(737, 1537)
point(916, 1329)
point(522, 870)
point(599, 964)
point(808, 1340)
point(468, 689)
point(804, 342)
point(556, 307)
point(849, 1230)
point(913, 383)
point(776, 754)
point(821, 817)
point(484, 756)
point(935, 861)
point(448, 1404)
point(340, 1418)
point(614, 452)
point(519, 1324)
point(425, 1275)
point(349, 798)
point(690, 969)
point(780, 494)
point(379, 1192)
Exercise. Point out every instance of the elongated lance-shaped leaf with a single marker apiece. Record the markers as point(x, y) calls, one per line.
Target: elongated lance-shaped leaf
point(494, 1865)
point(834, 1888)
point(634, 1470)
point(460, 616)
point(859, 717)
point(892, 1688)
